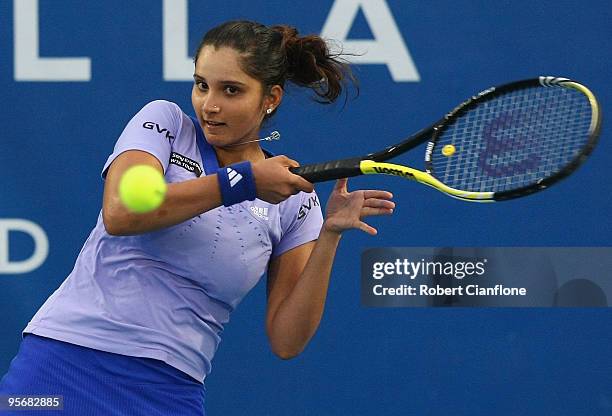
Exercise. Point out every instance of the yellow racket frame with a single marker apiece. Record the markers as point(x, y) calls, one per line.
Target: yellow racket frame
point(369, 167)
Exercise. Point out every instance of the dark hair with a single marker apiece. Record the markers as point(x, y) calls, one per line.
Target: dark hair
point(276, 54)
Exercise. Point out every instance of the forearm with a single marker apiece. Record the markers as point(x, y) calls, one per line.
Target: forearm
point(298, 316)
point(184, 200)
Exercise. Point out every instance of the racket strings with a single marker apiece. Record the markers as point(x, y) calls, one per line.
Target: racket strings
point(514, 140)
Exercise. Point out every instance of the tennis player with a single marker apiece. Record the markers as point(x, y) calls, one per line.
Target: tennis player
point(134, 327)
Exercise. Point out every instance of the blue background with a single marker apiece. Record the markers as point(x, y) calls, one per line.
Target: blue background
point(56, 137)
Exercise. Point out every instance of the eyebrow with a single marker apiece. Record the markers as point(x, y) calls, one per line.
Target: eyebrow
point(228, 81)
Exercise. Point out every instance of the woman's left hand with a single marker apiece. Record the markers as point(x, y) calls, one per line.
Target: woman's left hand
point(346, 209)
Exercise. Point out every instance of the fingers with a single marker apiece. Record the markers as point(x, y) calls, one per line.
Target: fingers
point(378, 203)
point(341, 185)
point(376, 193)
point(367, 228)
point(297, 182)
point(300, 184)
point(303, 185)
point(285, 161)
point(375, 206)
point(366, 212)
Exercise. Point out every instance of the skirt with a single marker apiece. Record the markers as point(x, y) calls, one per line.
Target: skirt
point(93, 382)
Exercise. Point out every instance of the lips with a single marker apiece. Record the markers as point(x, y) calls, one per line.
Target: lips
point(212, 123)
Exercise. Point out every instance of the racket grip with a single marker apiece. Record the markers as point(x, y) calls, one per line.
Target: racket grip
point(329, 171)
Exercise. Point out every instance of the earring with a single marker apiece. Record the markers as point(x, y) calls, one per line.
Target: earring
point(269, 111)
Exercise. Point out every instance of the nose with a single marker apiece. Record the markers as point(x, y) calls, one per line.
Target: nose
point(210, 105)
point(211, 108)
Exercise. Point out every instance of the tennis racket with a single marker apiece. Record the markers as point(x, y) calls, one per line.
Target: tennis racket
point(505, 142)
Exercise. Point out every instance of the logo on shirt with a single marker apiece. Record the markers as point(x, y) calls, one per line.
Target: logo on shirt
point(261, 212)
point(313, 201)
point(186, 163)
point(234, 177)
point(154, 126)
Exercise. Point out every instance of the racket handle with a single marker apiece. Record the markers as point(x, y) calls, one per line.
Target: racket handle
point(329, 171)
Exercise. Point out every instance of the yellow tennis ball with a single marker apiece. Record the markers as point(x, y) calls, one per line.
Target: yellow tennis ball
point(448, 150)
point(142, 188)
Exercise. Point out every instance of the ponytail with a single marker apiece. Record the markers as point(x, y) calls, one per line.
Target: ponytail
point(276, 54)
point(310, 64)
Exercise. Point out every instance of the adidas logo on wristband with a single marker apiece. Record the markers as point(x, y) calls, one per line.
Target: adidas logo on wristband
point(234, 177)
point(236, 183)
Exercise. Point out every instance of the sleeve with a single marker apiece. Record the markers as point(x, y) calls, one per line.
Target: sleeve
point(153, 130)
point(301, 221)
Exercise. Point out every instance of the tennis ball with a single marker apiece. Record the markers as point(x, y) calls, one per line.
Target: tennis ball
point(142, 188)
point(448, 150)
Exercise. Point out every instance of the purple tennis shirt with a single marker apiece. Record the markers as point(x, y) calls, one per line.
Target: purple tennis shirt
point(167, 294)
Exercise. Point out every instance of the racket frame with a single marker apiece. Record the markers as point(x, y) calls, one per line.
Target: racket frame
point(373, 163)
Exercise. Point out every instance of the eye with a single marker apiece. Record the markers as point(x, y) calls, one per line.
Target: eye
point(231, 90)
point(201, 85)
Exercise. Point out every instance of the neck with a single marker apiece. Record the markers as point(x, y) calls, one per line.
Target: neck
point(228, 155)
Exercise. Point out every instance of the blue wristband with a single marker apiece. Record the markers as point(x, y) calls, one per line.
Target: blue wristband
point(236, 183)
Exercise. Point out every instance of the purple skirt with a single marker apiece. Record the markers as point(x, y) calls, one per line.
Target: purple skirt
point(93, 382)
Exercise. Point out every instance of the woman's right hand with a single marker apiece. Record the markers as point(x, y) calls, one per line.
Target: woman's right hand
point(274, 181)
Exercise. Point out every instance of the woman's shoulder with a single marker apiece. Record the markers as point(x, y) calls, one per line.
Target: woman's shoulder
point(163, 116)
point(161, 105)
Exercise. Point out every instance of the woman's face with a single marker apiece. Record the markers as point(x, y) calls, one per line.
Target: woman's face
point(229, 103)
